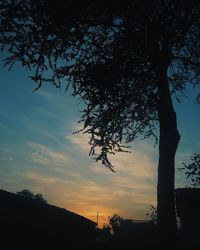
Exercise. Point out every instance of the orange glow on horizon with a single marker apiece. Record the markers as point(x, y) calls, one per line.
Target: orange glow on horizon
point(91, 215)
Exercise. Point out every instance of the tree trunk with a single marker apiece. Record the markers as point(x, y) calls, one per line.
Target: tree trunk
point(168, 143)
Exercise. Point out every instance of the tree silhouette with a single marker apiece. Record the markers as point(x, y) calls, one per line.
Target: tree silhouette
point(124, 59)
point(27, 194)
point(115, 222)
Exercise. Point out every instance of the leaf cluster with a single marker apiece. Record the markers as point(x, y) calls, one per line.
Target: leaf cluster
point(192, 170)
point(152, 213)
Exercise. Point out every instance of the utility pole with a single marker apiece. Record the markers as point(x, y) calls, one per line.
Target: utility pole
point(97, 219)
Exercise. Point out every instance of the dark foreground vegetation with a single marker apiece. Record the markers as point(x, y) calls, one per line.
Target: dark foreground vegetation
point(28, 223)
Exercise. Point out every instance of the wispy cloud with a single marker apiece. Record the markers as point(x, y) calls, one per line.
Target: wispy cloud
point(44, 112)
point(130, 190)
point(86, 197)
point(80, 141)
point(79, 195)
point(45, 155)
point(137, 163)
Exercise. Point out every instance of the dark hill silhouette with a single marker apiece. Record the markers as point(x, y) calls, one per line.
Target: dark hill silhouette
point(26, 224)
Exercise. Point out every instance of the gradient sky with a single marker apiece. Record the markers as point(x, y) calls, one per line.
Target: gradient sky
point(39, 152)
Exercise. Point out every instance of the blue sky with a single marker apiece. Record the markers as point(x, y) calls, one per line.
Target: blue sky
point(38, 151)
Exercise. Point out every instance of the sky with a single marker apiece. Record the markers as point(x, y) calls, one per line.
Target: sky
point(39, 152)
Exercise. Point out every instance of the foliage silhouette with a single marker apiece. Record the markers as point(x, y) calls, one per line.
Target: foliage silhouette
point(152, 214)
point(27, 194)
point(124, 59)
point(130, 234)
point(115, 222)
point(192, 170)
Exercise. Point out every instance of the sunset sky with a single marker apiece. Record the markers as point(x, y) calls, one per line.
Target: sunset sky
point(39, 152)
